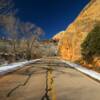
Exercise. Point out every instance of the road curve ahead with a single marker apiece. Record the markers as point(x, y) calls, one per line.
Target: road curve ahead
point(48, 79)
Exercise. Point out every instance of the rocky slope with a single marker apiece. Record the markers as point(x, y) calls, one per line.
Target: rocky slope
point(71, 39)
point(58, 36)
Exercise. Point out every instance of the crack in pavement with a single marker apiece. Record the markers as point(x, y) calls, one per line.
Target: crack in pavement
point(25, 83)
point(49, 84)
point(47, 89)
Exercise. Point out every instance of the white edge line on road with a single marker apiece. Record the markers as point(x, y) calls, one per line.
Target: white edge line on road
point(14, 66)
point(84, 70)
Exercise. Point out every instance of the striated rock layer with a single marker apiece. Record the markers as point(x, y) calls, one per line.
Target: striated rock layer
point(69, 43)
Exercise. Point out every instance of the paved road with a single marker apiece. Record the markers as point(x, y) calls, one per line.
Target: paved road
point(48, 79)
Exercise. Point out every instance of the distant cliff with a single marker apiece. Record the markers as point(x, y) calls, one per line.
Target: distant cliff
point(73, 36)
point(58, 36)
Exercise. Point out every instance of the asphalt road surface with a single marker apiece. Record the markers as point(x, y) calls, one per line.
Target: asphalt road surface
point(48, 79)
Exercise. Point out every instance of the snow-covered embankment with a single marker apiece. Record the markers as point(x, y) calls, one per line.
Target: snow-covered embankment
point(11, 67)
point(84, 70)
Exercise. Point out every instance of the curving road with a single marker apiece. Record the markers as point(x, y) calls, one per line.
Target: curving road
point(48, 79)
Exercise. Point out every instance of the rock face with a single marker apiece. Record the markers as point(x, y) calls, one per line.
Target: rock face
point(58, 36)
point(69, 44)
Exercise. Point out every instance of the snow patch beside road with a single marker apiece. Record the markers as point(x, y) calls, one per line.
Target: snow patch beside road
point(11, 67)
point(84, 70)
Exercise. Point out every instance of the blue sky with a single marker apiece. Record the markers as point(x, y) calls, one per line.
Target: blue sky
point(51, 15)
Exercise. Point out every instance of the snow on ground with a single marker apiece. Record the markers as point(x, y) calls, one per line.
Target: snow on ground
point(11, 67)
point(84, 70)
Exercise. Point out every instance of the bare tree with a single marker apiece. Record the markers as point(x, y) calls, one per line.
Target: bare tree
point(15, 28)
point(32, 33)
point(7, 7)
point(8, 20)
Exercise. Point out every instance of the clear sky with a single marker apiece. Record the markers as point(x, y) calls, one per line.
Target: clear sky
point(51, 15)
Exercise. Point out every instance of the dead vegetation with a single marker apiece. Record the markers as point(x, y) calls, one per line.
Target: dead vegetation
point(22, 39)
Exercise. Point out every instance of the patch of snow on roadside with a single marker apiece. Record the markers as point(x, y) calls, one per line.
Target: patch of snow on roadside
point(86, 71)
point(14, 66)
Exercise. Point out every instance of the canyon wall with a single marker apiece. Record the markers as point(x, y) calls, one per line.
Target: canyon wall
point(69, 46)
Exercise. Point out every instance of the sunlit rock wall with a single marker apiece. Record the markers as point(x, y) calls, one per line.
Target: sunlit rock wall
point(70, 41)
